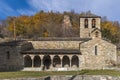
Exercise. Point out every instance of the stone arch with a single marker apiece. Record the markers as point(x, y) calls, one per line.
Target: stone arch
point(56, 61)
point(27, 61)
point(37, 61)
point(66, 61)
point(75, 61)
point(46, 62)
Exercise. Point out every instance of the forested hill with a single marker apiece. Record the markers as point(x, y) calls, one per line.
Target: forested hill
point(50, 24)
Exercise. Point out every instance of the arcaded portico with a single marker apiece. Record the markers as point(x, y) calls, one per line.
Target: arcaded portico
point(56, 60)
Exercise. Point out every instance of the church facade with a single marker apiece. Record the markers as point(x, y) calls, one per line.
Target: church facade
point(88, 51)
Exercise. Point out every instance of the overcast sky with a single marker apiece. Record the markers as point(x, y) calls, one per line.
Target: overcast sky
point(109, 8)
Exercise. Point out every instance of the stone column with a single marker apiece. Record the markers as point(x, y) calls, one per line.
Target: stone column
point(23, 63)
point(42, 65)
point(61, 60)
point(51, 66)
point(32, 58)
point(70, 57)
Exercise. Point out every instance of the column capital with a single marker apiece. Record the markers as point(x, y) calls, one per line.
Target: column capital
point(70, 56)
point(32, 56)
point(41, 56)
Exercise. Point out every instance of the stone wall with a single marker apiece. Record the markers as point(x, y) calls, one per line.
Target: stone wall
point(11, 58)
point(105, 55)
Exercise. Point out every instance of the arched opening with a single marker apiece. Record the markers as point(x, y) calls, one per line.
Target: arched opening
point(86, 23)
point(66, 61)
point(46, 62)
point(27, 61)
point(56, 61)
point(37, 61)
point(96, 34)
point(75, 62)
point(93, 23)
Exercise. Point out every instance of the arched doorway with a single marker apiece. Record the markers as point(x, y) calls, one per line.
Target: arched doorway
point(46, 62)
point(66, 61)
point(56, 61)
point(27, 61)
point(75, 61)
point(37, 61)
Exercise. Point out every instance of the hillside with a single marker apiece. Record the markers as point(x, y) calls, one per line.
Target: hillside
point(50, 24)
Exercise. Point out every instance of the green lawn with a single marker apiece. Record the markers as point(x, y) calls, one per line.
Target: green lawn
point(24, 74)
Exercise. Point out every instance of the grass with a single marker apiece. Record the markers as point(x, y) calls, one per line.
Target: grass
point(32, 74)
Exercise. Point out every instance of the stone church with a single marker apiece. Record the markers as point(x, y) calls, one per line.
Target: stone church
point(88, 51)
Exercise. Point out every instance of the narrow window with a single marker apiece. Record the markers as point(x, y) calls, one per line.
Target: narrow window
point(93, 23)
point(86, 23)
point(8, 55)
point(96, 34)
point(95, 50)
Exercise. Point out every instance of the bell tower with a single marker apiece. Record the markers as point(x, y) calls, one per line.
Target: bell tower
point(90, 26)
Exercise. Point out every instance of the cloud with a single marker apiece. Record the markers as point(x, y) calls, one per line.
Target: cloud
point(6, 10)
point(25, 12)
point(56, 5)
point(65, 5)
point(48, 5)
point(107, 8)
point(35, 4)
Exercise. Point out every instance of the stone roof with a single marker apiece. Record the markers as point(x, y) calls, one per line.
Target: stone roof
point(52, 51)
point(90, 15)
point(21, 42)
point(61, 39)
point(13, 43)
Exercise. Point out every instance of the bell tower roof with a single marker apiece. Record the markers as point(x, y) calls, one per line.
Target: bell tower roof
point(89, 15)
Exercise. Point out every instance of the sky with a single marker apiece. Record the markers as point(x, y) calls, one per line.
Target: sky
point(109, 8)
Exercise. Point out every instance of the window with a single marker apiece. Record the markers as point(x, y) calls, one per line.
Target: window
point(86, 23)
point(93, 23)
point(96, 34)
point(8, 55)
point(95, 50)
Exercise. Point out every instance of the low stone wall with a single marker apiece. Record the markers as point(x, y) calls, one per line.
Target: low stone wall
point(74, 77)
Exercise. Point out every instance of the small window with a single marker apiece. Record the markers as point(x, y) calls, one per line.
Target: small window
point(96, 34)
point(86, 23)
point(95, 50)
point(93, 23)
point(8, 55)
